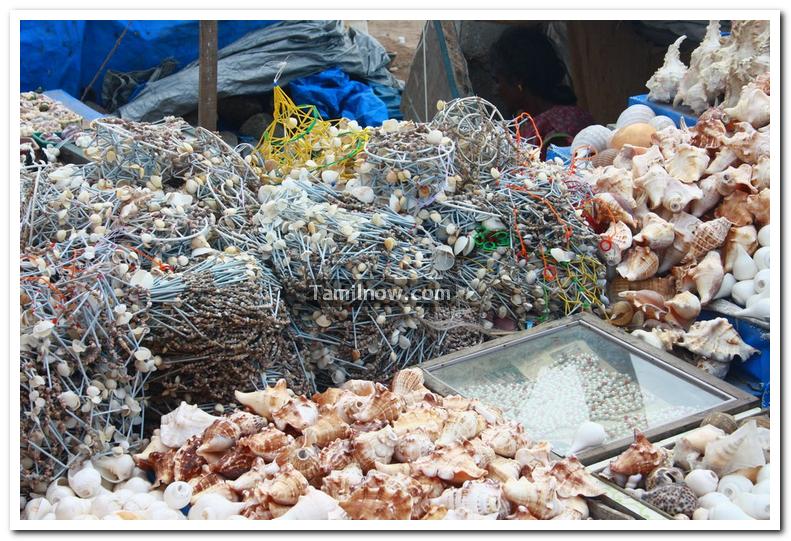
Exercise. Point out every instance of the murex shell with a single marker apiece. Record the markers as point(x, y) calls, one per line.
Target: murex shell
point(641, 457)
point(716, 339)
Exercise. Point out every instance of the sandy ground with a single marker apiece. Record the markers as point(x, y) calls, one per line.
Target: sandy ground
point(401, 38)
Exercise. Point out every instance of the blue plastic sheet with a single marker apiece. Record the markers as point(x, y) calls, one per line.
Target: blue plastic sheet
point(67, 54)
point(335, 95)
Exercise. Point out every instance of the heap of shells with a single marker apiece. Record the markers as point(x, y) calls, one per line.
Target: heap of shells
point(719, 68)
point(719, 471)
point(40, 113)
point(679, 215)
point(360, 451)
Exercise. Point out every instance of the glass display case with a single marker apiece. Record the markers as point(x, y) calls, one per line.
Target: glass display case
point(555, 377)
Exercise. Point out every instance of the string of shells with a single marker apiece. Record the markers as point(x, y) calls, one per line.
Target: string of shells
point(680, 213)
point(719, 69)
point(719, 471)
point(359, 451)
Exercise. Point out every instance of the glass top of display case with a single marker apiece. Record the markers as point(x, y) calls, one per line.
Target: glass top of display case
point(554, 380)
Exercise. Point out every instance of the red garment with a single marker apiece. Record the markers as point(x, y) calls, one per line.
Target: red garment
point(559, 124)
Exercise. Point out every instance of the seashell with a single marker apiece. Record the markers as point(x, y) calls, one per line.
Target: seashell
point(666, 287)
point(491, 414)
point(651, 303)
point(412, 446)
point(761, 278)
point(349, 404)
point(186, 461)
point(735, 451)
point(221, 435)
point(683, 308)
point(247, 422)
point(733, 179)
point(688, 163)
point(656, 232)
point(536, 455)
point(724, 421)
point(360, 387)
point(634, 114)
point(234, 462)
point(758, 306)
point(709, 186)
point(761, 173)
point(453, 464)
point(504, 439)
point(443, 258)
point(746, 236)
point(588, 435)
point(178, 495)
point(71, 507)
point(268, 443)
point(85, 480)
point(702, 481)
point(710, 129)
point(604, 158)
point(648, 337)
point(327, 429)
point(748, 143)
point(503, 469)
point(663, 84)
point(755, 505)
point(573, 480)
point(540, 498)
point(621, 314)
point(430, 420)
point(742, 291)
point(706, 236)
point(640, 263)
point(214, 506)
point(36, 509)
point(669, 139)
point(701, 513)
point(460, 425)
point(660, 122)
point(637, 134)
point(478, 497)
point(337, 455)
point(641, 457)
point(663, 475)
point(707, 276)
point(314, 505)
point(182, 423)
point(727, 511)
point(758, 206)
point(716, 339)
point(728, 281)
point(743, 266)
point(115, 468)
point(286, 486)
point(673, 499)
point(595, 136)
point(735, 208)
point(699, 438)
point(384, 406)
point(341, 483)
point(616, 239)
point(299, 413)
point(606, 209)
point(305, 460)
point(207, 483)
point(616, 181)
point(678, 196)
point(731, 485)
point(406, 381)
point(380, 502)
point(752, 107)
point(371, 447)
point(715, 368)
point(329, 397)
point(265, 402)
point(483, 454)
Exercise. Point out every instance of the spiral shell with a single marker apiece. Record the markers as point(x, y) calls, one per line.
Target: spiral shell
point(222, 434)
point(716, 339)
point(640, 263)
point(299, 413)
point(187, 462)
point(379, 503)
point(266, 401)
point(268, 443)
point(305, 460)
point(248, 423)
point(504, 438)
point(286, 486)
point(453, 464)
point(234, 462)
point(371, 447)
point(336, 456)
point(706, 236)
point(412, 446)
point(479, 497)
point(385, 406)
point(341, 483)
point(327, 429)
point(640, 458)
point(573, 480)
point(595, 136)
point(634, 114)
point(460, 426)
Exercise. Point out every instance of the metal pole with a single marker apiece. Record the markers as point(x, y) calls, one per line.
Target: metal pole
point(207, 86)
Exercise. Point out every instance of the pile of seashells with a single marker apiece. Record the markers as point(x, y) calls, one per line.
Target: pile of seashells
point(683, 215)
point(40, 113)
point(719, 68)
point(361, 451)
point(719, 471)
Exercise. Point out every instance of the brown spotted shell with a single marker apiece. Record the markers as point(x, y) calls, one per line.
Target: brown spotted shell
point(221, 435)
point(286, 486)
point(336, 456)
point(298, 414)
point(385, 406)
point(673, 499)
point(371, 447)
point(407, 381)
point(342, 482)
point(305, 460)
point(430, 420)
point(162, 465)
point(187, 463)
point(327, 429)
point(234, 462)
point(383, 502)
point(248, 423)
point(268, 443)
point(453, 464)
point(210, 482)
point(641, 457)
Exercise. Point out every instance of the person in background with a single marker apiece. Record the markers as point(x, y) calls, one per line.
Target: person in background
point(531, 78)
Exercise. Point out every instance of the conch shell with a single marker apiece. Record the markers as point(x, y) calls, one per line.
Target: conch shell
point(678, 195)
point(371, 447)
point(758, 206)
point(651, 303)
point(248, 423)
point(616, 181)
point(736, 209)
point(336, 456)
point(540, 498)
point(640, 263)
point(708, 275)
point(748, 143)
point(268, 443)
point(327, 429)
point(342, 482)
point(656, 232)
point(460, 426)
point(615, 241)
point(286, 486)
point(716, 339)
point(737, 451)
point(705, 237)
point(182, 423)
point(711, 196)
point(688, 163)
point(298, 413)
point(222, 434)
point(479, 497)
point(266, 401)
point(573, 480)
point(734, 178)
point(607, 209)
point(429, 420)
point(683, 309)
point(640, 458)
point(752, 107)
point(504, 438)
point(745, 236)
point(379, 502)
point(663, 84)
point(454, 464)
point(412, 446)
point(385, 406)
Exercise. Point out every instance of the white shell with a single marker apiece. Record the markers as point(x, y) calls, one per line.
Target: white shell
point(713, 499)
point(764, 235)
point(71, 507)
point(595, 136)
point(86, 482)
point(634, 114)
point(59, 488)
point(182, 423)
point(460, 244)
point(761, 258)
point(37, 508)
point(134, 485)
point(660, 122)
point(105, 504)
point(730, 485)
point(728, 281)
point(762, 488)
point(701, 513)
point(663, 84)
point(761, 308)
point(764, 473)
point(443, 258)
point(213, 506)
point(728, 511)
point(649, 338)
point(742, 291)
point(755, 505)
point(177, 494)
point(315, 505)
point(115, 468)
point(744, 268)
point(589, 434)
point(701, 481)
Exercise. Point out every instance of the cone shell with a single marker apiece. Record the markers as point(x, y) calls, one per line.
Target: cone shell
point(640, 263)
point(716, 339)
point(268, 443)
point(298, 414)
point(266, 401)
point(327, 429)
point(641, 457)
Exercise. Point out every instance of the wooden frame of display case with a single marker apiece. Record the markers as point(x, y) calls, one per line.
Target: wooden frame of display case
point(735, 400)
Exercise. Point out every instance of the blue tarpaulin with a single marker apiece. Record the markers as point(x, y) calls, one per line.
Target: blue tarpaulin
point(67, 54)
point(335, 95)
